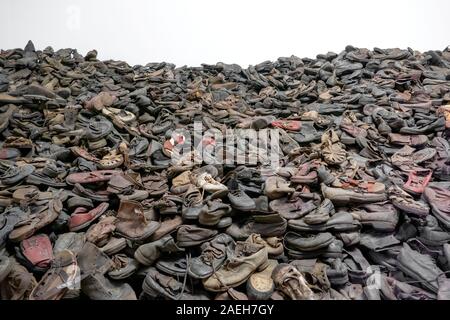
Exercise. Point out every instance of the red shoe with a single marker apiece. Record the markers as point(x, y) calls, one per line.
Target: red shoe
point(81, 218)
point(418, 181)
point(290, 125)
point(91, 177)
point(38, 251)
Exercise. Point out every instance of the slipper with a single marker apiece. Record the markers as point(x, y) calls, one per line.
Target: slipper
point(81, 218)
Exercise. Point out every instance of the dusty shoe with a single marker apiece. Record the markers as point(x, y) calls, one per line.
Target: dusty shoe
point(381, 217)
point(292, 208)
point(364, 192)
point(308, 243)
point(190, 235)
point(321, 214)
point(157, 284)
point(301, 248)
point(213, 213)
point(35, 222)
point(432, 234)
point(306, 174)
point(247, 258)
point(18, 283)
point(98, 287)
point(405, 202)
point(206, 182)
point(419, 266)
point(72, 241)
point(277, 187)
point(271, 225)
point(122, 267)
point(92, 260)
point(63, 275)
point(167, 226)
point(214, 253)
point(238, 198)
point(260, 285)
point(81, 217)
point(333, 151)
point(36, 252)
point(114, 245)
point(132, 223)
point(291, 282)
point(439, 201)
point(100, 233)
point(274, 245)
point(148, 253)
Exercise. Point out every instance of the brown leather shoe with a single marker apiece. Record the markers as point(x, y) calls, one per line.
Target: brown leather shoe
point(18, 284)
point(28, 227)
point(190, 235)
point(132, 223)
point(63, 274)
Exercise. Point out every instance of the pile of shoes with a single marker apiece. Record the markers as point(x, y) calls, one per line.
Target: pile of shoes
point(93, 205)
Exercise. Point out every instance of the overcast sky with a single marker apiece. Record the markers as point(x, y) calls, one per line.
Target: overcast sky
point(191, 32)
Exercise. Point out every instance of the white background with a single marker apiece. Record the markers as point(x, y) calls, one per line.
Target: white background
point(191, 32)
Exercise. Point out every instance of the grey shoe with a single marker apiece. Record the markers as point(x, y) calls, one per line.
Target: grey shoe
point(420, 267)
point(432, 234)
point(308, 243)
point(272, 225)
point(381, 217)
point(321, 214)
point(97, 287)
point(340, 222)
point(71, 241)
point(332, 250)
point(148, 253)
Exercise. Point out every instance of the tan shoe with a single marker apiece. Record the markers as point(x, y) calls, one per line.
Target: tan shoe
point(260, 285)
point(277, 187)
point(365, 192)
point(274, 245)
point(248, 258)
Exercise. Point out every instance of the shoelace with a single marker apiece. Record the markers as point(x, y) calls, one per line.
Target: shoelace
point(188, 258)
